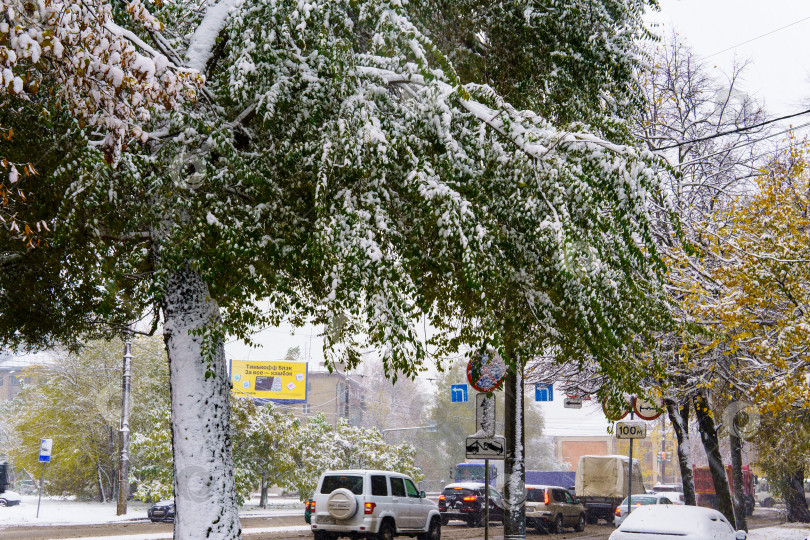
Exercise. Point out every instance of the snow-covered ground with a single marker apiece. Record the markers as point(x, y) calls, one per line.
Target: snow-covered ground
point(786, 531)
point(58, 511)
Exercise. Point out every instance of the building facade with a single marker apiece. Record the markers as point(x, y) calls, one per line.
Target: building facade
point(336, 395)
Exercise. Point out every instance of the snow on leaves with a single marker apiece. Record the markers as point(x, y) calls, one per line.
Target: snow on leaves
point(405, 160)
point(108, 77)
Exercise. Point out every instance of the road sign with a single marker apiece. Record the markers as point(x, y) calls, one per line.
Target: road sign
point(614, 415)
point(631, 430)
point(486, 447)
point(458, 393)
point(649, 410)
point(572, 403)
point(485, 414)
point(486, 372)
point(544, 392)
point(45, 446)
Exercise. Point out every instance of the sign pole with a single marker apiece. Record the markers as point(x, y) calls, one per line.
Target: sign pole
point(486, 499)
point(41, 482)
point(45, 449)
point(630, 468)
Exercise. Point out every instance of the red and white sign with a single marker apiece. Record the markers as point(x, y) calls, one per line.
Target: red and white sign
point(613, 415)
point(649, 410)
point(486, 372)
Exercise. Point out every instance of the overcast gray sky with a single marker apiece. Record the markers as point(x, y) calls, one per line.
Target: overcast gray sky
point(772, 34)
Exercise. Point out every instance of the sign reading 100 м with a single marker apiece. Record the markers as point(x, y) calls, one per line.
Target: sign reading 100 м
point(631, 430)
point(285, 382)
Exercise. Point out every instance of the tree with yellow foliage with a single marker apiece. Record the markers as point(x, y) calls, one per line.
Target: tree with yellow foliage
point(761, 319)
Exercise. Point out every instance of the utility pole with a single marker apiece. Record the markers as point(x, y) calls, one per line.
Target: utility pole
point(123, 461)
point(630, 468)
point(663, 450)
point(346, 397)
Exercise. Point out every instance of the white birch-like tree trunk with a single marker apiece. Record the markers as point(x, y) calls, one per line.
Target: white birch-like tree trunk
point(205, 492)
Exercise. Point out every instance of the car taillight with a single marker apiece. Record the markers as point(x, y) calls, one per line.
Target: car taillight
point(546, 498)
point(369, 507)
point(312, 507)
point(470, 498)
point(618, 511)
point(442, 498)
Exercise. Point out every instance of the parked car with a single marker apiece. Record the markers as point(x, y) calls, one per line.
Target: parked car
point(763, 494)
point(637, 501)
point(675, 496)
point(552, 508)
point(667, 488)
point(368, 503)
point(162, 511)
point(667, 521)
point(9, 498)
point(465, 501)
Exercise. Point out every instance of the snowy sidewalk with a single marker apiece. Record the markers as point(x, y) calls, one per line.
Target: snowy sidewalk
point(169, 536)
point(57, 511)
point(786, 531)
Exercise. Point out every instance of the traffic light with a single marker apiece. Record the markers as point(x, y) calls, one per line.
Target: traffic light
point(664, 457)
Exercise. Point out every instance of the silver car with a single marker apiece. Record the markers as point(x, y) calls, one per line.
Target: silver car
point(637, 501)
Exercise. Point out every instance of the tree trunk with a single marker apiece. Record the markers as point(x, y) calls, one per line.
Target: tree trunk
point(708, 435)
point(101, 497)
point(679, 416)
point(795, 500)
point(263, 495)
point(204, 488)
point(514, 520)
point(737, 478)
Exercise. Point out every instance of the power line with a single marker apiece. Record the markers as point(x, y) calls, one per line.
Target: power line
point(759, 37)
point(737, 145)
point(733, 131)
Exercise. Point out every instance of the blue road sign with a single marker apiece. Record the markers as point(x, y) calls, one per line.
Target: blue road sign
point(458, 393)
point(543, 392)
point(45, 446)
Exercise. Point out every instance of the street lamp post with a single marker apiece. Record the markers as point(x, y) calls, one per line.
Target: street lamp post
point(430, 427)
point(123, 467)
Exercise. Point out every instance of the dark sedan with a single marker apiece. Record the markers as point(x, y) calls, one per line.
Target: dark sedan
point(161, 511)
point(465, 501)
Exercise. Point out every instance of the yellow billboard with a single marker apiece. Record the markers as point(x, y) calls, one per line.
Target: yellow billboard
point(285, 382)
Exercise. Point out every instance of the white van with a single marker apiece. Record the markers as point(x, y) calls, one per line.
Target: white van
point(372, 504)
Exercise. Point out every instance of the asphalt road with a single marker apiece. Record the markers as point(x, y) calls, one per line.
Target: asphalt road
point(260, 528)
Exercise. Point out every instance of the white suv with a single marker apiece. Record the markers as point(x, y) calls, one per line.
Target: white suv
point(372, 504)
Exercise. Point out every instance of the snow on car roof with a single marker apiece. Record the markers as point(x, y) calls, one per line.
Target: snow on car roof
point(464, 485)
point(669, 519)
point(544, 486)
point(359, 472)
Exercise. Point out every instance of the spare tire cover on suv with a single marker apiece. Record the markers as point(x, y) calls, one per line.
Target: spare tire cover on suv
point(341, 504)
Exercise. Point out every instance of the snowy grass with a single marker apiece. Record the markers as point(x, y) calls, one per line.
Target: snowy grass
point(61, 511)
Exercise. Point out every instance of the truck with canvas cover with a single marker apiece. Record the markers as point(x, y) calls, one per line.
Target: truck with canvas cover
point(706, 495)
point(601, 484)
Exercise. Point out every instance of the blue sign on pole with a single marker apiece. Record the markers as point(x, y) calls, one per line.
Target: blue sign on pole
point(543, 392)
point(45, 446)
point(458, 393)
